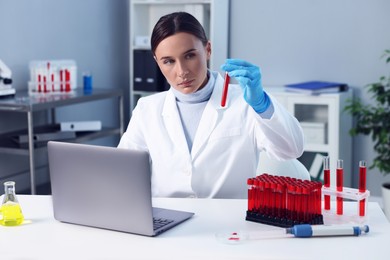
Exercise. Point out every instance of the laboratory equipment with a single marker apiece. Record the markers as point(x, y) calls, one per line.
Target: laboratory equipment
point(283, 201)
point(6, 88)
point(306, 230)
point(362, 186)
point(225, 90)
point(10, 210)
point(87, 82)
point(345, 193)
point(339, 185)
point(300, 231)
point(52, 76)
point(249, 77)
point(326, 182)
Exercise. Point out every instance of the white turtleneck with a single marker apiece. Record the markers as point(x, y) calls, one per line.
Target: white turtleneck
point(191, 107)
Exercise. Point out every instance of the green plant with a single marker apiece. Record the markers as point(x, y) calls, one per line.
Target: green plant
point(374, 120)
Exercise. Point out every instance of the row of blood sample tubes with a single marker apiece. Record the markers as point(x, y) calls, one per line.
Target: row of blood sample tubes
point(283, 197)
point(51, 79)
point(339, 185)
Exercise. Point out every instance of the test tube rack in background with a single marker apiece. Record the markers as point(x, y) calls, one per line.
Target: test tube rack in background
point(336, 215)
point(52, 77)
point(284, 201)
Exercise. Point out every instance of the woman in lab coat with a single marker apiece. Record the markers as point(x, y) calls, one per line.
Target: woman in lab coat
point(197, 147)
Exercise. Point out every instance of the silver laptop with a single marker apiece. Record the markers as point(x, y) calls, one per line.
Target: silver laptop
point(108, 188)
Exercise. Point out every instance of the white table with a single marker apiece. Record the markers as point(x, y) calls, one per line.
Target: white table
point(42, 237)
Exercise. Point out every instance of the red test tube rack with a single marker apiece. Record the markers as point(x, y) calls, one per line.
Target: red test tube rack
point(360, 195)
point(284, 201)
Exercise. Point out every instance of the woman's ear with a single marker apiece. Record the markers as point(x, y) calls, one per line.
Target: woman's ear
point(208, 49)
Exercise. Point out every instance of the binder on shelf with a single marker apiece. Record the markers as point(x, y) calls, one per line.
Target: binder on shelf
point(147, 74)
point(44, 137)
point(315, 132)
point(139, 67)
point(316, 169)
point(81, 126)
point(317, 87)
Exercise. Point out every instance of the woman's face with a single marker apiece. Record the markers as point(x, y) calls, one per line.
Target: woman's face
point(182, 59)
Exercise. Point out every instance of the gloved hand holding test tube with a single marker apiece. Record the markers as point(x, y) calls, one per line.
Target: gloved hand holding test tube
point(301, 231)
point(249, 78)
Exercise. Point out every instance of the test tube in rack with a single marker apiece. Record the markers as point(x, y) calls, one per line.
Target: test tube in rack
point(326, 182)
point(362, 186)
point(339, 186)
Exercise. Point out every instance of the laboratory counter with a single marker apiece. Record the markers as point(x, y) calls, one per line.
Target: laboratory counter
point(42, 237)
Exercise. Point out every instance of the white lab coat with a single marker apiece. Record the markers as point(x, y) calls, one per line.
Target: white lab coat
point(226, 146)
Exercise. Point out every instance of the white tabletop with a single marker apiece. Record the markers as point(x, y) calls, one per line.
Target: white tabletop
point(42, 237)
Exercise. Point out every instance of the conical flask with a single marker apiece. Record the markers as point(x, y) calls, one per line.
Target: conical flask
point(10, 210)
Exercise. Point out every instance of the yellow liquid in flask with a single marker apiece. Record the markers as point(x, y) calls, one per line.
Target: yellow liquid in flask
point(11, 214)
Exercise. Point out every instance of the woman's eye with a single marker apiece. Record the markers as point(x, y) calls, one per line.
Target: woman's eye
point(168, 61)
point(190, 55)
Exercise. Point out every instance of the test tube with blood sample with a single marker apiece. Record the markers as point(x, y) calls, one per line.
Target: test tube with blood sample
point(225, 90)
point(362, 186)
point(339, 186)
point(326, 182)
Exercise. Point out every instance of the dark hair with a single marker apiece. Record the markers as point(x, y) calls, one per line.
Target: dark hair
point(173, 23)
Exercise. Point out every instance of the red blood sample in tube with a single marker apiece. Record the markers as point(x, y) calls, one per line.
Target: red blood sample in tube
point(44, 84)
point(298, 203)
point(362, 186)
point(260, 197)
point(339, 186)
point(39, 83)
point(267, 202)
point(318, 198)
point(279, 199)
point(225, 90)
point(67, 81)
point(52, 83)
point(251, 190)
point(326, 182)
point(304, 204)
point(284, 200)
point(62, 81)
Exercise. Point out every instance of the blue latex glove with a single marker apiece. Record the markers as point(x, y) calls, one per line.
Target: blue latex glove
point(249, 78)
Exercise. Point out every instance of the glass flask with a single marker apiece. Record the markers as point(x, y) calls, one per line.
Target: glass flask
point(10, 210)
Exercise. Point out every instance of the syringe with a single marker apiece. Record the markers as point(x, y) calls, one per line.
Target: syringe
point(301, 230)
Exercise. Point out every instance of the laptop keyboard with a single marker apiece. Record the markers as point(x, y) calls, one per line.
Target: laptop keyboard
point(160, 222)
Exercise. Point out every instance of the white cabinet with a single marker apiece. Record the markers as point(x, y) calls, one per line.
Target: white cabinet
point(326, 128)
point(212, 14)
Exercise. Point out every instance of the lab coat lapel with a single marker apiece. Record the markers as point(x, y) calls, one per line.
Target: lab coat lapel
point(211, 115)
point(173, 124)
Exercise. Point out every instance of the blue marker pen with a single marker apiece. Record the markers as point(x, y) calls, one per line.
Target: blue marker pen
point(306, 230)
